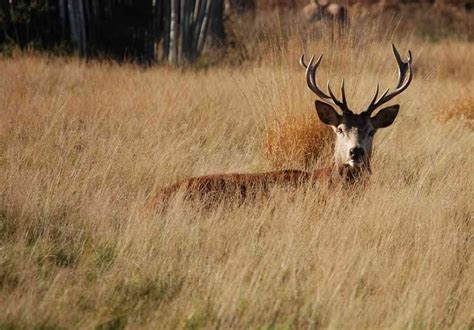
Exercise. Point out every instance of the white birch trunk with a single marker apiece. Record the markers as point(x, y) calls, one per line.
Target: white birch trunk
point(173, 32)
point(204, 28)
point(182, 30)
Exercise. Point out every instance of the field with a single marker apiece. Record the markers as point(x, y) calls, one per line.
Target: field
point(84, 146)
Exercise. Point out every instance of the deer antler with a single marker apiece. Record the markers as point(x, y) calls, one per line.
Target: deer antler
point(403, 67)
point(311, 81)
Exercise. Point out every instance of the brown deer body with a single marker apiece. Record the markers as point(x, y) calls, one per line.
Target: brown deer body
point(353, 147)
point(239, 186)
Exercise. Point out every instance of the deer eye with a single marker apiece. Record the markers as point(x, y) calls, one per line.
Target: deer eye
point(339, 130)
point(372, 133)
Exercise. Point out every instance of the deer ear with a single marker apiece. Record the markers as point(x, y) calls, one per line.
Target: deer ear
point(327, 114)
point(385, 117)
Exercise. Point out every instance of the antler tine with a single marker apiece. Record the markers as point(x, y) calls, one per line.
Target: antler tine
point(397, 55)
point(374, 99)
point(402, 66)
point(402, 84)
point(311, 77)
point(342, 105)
point(311, 81)
point(343, 92)
point(384, 94)
point(302, 63)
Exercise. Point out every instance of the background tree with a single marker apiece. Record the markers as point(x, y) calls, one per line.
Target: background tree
point(173, 31)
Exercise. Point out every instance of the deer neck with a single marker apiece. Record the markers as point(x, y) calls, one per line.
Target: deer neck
point(351, 174)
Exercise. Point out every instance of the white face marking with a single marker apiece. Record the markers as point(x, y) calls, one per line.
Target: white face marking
point(354, 140)
point(354, 133)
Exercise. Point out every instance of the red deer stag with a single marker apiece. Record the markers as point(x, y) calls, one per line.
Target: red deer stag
point(353, 147)
point(325, 10)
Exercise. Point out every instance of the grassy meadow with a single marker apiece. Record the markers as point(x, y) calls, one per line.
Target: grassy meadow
point(84, 146)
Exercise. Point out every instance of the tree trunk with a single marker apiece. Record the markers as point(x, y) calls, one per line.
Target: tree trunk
point(89, 21)
point(166, 28)
point(95, 9)
point(198, 20)
point(217, 21)
point(182, 31)
point(187, 27)
point(62, 17)
point(204, 28)
point(174, 31)
point(158, 21)
point(73, 25)
point(82, 28)
point(13, 20)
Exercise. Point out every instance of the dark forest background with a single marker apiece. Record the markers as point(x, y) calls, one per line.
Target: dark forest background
point(117, 29)
point(146, 31)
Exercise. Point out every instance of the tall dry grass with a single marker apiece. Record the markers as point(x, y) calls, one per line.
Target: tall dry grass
point(297, 141)
point(83, 146)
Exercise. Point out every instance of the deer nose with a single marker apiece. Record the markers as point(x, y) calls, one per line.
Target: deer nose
point(356, 152)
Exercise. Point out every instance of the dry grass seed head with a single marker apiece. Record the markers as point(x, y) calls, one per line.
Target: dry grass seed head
point(460, 110)
point(296, 141)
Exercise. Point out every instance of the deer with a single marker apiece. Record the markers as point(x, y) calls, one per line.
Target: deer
point(325, 10)
point(354, 134)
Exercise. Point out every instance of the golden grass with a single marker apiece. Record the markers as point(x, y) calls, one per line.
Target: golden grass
point(297, 141)
point(461, 109)
point(84, 146)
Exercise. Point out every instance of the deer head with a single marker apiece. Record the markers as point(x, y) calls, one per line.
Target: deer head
point(355, 132)
point(321, 3)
